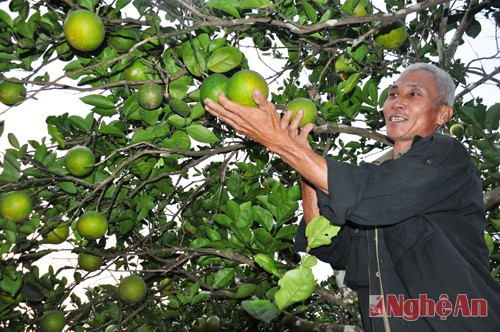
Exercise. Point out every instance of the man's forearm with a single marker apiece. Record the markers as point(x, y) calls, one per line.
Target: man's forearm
point(310, 166)
point(309, 201)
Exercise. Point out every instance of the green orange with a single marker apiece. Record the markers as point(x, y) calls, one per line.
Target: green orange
point(392, 36)
point(150, 96)
point(212, 86)
point(53, 321)
point(12, 93)
point(79, 161)
point(307, 106)
point(136, 72)
point(132, 289)
point(92, 225)
point(15, 206)
point(84, 30)
point(457, 129)
point(89, 262)
point(241, 85)
point(122, 40)
point(57, 234)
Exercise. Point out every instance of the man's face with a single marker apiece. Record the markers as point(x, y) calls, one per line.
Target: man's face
point(412, 106)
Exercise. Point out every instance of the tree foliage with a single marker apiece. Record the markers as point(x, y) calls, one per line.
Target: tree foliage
point(187, 198)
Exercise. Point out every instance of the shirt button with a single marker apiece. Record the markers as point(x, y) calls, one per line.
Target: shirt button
point(381, 260)
point(429, 162)
point(377, 274)
point(356, 230)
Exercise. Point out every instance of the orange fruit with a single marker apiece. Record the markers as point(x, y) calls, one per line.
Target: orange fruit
point(132, 289)
point(150, 96)
point(89, 262)
point(136, 72)
point(392, 36)
point(122, 40)
point(306, 105)
point(457, 129)
point(84, 30)
point(12, 93)
point(53, 321)
point(241, 85)
point(79, 161)
point(15, 206)
point(164, 290)
point(58, 234)
point(92, 225)
point(363, 8)
point(212, 85)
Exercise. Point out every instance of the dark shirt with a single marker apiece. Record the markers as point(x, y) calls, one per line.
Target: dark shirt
point(425, 210)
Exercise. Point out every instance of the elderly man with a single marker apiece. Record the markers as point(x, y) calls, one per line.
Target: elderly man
point(412, 234)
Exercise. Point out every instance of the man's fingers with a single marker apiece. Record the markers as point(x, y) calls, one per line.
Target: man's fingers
point(285, 120)
point(296, 120)
point(262, 102)
point(305, 131)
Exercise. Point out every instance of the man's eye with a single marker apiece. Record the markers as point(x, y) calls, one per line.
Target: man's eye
point(392, 94)
point(414, 94)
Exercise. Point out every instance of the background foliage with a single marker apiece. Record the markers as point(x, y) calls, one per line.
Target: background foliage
point(187, 198)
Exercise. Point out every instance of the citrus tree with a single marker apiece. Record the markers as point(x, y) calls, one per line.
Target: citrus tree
point(192, 223)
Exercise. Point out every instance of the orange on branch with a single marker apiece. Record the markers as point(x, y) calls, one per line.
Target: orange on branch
point(241, 85)
point(84, 30)
point(15, 206)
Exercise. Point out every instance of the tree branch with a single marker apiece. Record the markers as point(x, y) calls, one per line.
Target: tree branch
point(474, 85)
point(341, 128)
point(491, 198)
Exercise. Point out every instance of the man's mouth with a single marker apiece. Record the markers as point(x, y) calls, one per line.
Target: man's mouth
point(396, 119)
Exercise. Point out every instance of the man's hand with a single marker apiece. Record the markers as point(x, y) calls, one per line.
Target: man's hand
point(261, 125)
point(292, 128)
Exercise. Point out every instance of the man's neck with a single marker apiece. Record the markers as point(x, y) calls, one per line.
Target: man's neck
point(400, 147)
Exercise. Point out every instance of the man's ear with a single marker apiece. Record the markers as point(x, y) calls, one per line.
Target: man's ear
point(445, 113)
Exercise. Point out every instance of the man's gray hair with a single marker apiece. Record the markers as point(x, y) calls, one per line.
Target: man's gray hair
point(442, 81)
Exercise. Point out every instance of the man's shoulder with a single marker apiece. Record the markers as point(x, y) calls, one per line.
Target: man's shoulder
point(440, 147)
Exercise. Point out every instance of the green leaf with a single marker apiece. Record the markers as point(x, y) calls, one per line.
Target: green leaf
point(308, 261)
point(2, 127)
point(223, 220)
point(202, 134)
point(216, 44)
point(6, 18)
point(310, 11)
point(351, 83)
point(262, 310)
point(13, 140)
point(81, 123)
point(194, 63)
point(104, 111)
point(295, 286)
point(88, 4)
point(287, 232)
point(228, 6)
point(199, 298)
point(178, 121)
point(178, 88)
point(473, 29)
point(267, 263)
point(263, 217)
point(141, 136)
point(180, 107)
point(285, 211)
point(56, 135)
point(121, 3)
point(130, 105)
point(254, 4)
point(98, 101)
point(68, 187)
point(223, 277)
point(489, 243)
point(198, 111)
point(319, 232)
point(492, 118)
point(245, 290)
point(224, 59)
